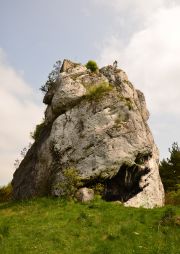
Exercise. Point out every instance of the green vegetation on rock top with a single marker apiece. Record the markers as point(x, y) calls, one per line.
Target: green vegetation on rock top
point(92, 65)
point(97, 91)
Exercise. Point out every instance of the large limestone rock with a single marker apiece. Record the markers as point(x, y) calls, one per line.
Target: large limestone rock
point(95, 123)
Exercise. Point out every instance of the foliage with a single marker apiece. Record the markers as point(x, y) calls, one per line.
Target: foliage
point(97, 91)
point(121, 118)
point(23, 154)
point(99, 189)
point(170, 169)
point(92, 65)
point(52, 78)
point(38, 130)
point(70, 184)
point(53, 226)
point(127, 102)
point(172, 197)
point(16, 163)
point(5, 193)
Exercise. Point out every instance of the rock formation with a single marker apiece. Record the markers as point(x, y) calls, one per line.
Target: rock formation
point(95, 123)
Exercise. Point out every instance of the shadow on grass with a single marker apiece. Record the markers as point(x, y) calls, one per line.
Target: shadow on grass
point(9, 204)
point(41, 201)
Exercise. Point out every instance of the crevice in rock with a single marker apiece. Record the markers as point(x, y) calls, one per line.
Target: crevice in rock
point(125, 184)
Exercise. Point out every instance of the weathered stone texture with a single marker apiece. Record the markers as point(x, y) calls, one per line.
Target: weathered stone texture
point(106, 140)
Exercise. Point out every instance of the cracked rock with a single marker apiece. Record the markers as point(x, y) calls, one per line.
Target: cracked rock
point(95, 123)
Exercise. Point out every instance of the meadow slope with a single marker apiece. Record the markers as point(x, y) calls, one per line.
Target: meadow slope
point(54, 226)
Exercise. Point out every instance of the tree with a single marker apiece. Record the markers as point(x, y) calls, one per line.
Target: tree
point(53, 77)
point(170, 169)
point(92, 65)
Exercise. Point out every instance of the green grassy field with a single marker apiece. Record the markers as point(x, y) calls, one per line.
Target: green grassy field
point(55, 226)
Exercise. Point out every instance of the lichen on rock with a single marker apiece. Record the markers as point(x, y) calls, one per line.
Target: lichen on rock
point(96, 123)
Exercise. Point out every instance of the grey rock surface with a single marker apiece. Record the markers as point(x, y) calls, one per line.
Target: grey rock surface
point(95, 123)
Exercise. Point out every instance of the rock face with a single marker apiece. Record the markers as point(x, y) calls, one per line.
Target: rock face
point(95, 123)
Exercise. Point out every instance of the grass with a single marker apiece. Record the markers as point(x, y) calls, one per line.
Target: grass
point(54, 226)
point(98, 91)
point(127, 102)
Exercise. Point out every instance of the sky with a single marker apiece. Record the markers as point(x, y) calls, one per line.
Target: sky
point(143, 36)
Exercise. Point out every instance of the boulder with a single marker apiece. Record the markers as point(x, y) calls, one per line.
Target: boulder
point(95, 123)
point(84, 195)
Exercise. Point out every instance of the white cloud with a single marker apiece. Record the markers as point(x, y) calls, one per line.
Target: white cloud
point(140, 6)
point(151, 59)
point(133, 12)
point(136, 7)
point(19, 113)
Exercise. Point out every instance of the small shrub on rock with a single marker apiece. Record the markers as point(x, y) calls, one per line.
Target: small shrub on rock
point(37, 132)
point(98, 189)
point(92, 65)
point(52, 77)
point(72, 182)
point(97, 91)
point(121, 118)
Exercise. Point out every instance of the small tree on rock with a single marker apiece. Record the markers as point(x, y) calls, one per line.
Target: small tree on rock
point(53, 77)
point(92, 65)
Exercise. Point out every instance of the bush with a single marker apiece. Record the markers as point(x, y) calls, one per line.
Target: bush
point(98, 189)
point(38, 130)
point(71, 183)
point(121, 118)
point(127, 102)
point(5, 193)
point(97, 91)
point(92, 65)
point(172, 197)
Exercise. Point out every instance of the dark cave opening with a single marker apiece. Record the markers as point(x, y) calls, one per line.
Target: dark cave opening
point(125, 184)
